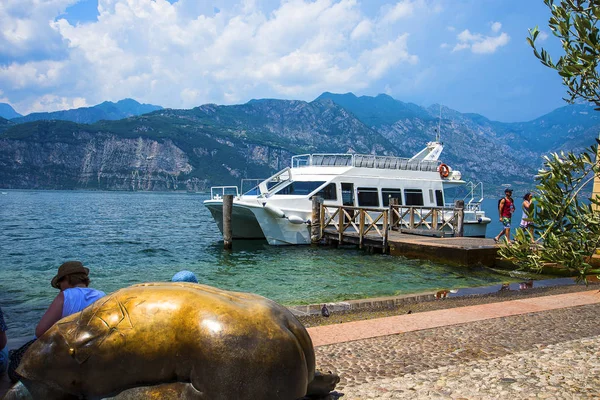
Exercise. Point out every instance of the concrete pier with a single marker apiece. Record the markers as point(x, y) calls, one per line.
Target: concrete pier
point(463, 251)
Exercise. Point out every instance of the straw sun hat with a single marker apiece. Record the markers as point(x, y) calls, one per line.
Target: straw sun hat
point(68, 268)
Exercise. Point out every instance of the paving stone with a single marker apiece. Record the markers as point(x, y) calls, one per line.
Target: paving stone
point(537, 355)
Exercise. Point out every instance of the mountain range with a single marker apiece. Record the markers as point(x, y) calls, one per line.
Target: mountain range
point(84, 115)
point(171, 149)
point(7, 112)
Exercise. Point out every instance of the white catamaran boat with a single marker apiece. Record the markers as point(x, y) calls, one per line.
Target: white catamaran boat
point(279, 208)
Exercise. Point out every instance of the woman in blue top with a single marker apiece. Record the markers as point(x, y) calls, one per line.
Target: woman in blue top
point(72, 280)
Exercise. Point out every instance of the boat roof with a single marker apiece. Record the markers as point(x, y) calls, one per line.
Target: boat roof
point(364, 161)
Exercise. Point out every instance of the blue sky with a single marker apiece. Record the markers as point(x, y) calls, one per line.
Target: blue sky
point(470, 55)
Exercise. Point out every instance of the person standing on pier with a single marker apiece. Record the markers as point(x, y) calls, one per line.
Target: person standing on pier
point(506, 207)
point(526, 223)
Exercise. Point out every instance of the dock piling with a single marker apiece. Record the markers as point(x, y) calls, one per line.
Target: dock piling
point(361, 228)
point(227, 230)
point(459, 212)
point(315, 221)
point(392, 215)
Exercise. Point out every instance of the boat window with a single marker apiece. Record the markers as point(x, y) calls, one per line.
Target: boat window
point(348, 194)
point(255, 191)
point(439, 198)
point(413, 197)
point(368, 197)
point(328, 192)
point(430, 196)
point(300, 188)
point(387, 194)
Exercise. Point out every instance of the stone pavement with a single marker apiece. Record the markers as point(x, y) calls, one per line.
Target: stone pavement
point(552, 352)
point(329, 334)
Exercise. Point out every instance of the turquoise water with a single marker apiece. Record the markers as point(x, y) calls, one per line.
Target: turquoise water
point(127, 238)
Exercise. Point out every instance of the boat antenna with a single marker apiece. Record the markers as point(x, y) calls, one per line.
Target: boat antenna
point(437, 135)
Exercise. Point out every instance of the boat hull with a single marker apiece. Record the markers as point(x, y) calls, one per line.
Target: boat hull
point(475, 229)
point(250, 221)
point(243, 221)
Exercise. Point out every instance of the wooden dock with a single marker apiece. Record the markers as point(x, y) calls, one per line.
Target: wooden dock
point(419, 237)
point(462, 251)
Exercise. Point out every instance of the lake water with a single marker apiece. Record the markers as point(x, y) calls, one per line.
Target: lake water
point(127, 238)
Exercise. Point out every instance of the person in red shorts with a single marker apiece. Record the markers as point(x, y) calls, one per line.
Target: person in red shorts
point(506, 208)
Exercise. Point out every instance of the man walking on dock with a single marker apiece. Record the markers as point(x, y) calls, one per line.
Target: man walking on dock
point(506, 207)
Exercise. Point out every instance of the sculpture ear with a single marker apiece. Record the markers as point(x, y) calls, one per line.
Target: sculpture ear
point(85, 333)
point(69, 331)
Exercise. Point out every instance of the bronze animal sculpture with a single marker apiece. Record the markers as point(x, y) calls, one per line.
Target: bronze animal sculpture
point(174, 340)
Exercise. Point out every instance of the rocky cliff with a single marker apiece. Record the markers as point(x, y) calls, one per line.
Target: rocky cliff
point(220, 145)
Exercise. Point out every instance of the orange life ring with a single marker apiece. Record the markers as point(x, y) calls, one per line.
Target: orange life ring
point(444, 170)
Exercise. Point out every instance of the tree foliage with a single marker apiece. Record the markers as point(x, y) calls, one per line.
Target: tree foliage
point(567, 228)
point(574, 22)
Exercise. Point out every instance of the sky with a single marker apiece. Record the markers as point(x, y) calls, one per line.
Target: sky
point(469, 55)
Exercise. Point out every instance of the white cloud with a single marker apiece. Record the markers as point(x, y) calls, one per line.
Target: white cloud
point(182, 54)
point(444, 45)
point(378, 61)
point(51, 102)
point(542, 36)
point(362, 30)
point(25, 31)
point(481, 44)
point(461, 46)
point(490, 44)
point(402, 9)
point(189, 95)
point(496, 26)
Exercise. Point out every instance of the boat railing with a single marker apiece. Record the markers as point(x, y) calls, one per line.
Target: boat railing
point(217, 192)
point(272, 183)
point(363, 161)
point(474, 197)
point(249, 186)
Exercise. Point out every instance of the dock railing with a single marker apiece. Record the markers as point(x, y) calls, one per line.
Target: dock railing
point(427, 218)
point(374, 224)
point(364, 221)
